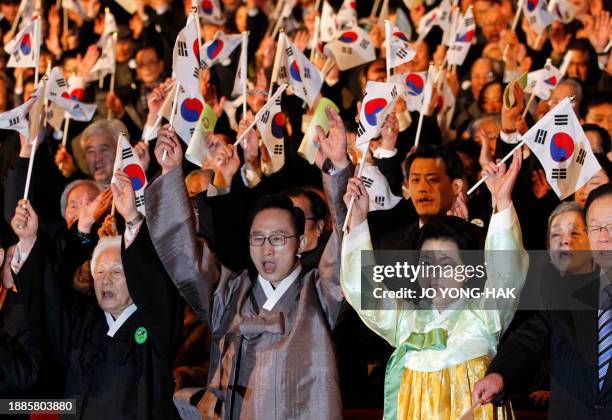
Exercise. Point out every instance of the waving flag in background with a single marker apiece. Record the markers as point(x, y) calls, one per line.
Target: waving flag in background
point(399, 49)
point(219, 48)
point(24, 48)
point(463, 38)
point(351, 48)
point(186, 56)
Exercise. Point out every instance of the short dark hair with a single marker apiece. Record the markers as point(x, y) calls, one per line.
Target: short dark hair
point(149, 46)
point(452, 162)
point(604, 137)
point(450, 228)
point(597, 193)
point(281, 202)
point(599, 98)
point(317, 204)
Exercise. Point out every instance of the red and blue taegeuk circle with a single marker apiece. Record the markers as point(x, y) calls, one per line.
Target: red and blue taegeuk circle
point(372, 108)
point(466, 37)
point(26, 44)
point(214, 49)
point(78, 94)
point(415, 83)
point(348, 37)
point(561, 147)
point(207, 6)
point(196, 49)
point(136, 174)
point(294, 70)
point(276, 127)
point(532, 5)
point(191, 108)
point(552, 81)
point(400, 35)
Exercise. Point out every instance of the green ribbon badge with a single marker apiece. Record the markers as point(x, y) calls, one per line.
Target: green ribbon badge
point(141, 334)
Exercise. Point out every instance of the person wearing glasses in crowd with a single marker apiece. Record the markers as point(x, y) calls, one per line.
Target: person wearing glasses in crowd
point(272, 353)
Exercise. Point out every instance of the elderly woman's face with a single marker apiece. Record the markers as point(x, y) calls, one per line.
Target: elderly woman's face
point(109, 282)
point(77, 198)
point(100, 156)
point(568, 243)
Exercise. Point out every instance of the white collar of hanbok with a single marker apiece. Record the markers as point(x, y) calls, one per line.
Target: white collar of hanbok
point(273, 295)
point(115, 324)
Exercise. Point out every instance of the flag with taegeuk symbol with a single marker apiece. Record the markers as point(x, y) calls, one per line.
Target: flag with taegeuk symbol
point(128, 162)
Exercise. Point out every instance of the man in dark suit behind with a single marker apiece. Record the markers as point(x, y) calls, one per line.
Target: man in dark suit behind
point(579, 342)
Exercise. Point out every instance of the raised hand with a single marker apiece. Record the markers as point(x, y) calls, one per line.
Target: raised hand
point(226, 164)
point(168, 140)
point(600, 31)
point(500, 181)
point(64, 162)
point(123, 194)
point(460, 208)
point(90, 213)
point(115, 105)
point(142, 151)
point(332, 146)
point(359, 213)
point(539, 184)
point(486, 389)
point(25, 223)
point(509, 116)
point(389, 132)
point(86, 63)
point(250, 142)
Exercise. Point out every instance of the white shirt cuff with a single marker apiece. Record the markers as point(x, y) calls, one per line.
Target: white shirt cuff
point(381, 153)
point(131, 232)
point(19, 257)
point(509, 138)
point(356, 238)
point(250, 178)
point(253, 12)
point(502, 220)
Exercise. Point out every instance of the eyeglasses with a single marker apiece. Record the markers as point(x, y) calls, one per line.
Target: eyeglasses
point(599, 229)
point(275, 240)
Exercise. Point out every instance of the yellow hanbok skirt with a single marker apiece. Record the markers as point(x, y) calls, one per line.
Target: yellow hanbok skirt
point(446, 394)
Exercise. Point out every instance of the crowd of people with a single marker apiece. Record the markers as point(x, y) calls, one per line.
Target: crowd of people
point(240, 293)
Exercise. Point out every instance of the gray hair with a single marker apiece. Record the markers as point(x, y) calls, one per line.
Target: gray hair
point(576, 87)
point(563, 207)
point(111, 128)
point(104, 244)
point(72, 186)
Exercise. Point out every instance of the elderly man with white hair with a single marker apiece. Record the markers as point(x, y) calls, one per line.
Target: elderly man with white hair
point(117, 353)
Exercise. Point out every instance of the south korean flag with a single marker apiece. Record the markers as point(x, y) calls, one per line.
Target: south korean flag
point(463, 38)
point(562, 10)
point(186, 56)
point(128, 162)
point(564, 151)
point(399, 49)
point(59, 96)
point(351, 48)
point(303, 76)
point(542, 82)
point(377, 103)
point(412, 87)
point(537, 14)
point(186, 114)
point(381, 197)
point(271, 127)
point(24, 49)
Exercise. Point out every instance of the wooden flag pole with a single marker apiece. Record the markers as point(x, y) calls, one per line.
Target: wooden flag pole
point(172, 113)
point(484, 178)
point(112, 80)
point(526, 110)
point(388, 48)
point(352, 202)
point(374, 11)
point(420, 123)
point(65, 134)
point(243, 70)
point(517, 16)
point(268, 104)
point(17, 18)
point(280, 49)
point(315, 39)
point(38, 41)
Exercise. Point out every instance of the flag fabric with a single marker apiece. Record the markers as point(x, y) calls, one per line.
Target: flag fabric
point(24, 48)
point(187, 112)
point(378, 102)
point(219, 48)
point(74, 6)
point(149, 132)
point(537, 14)
point(428, 89)
point(411, 88)
point(327, 23)
point(303, 76)
point(36, 112)
point(426, 23)
point(29, 8)
point(445, 106)
point(462, 40)
point(186, 56)
point(105, 63)
point(563, 149)
point(210, 11)
point(271, 127)
point(542, 82)
point(57, 93)
point(76, 88)
point(562, 10)
point(379, 192)
point(241, 73)
point(347, 14)
point(308, 148)
point(128, 162)
point(110, 27)
point(17, 118)
point(351, 48)
point(198, 147)
point(403, 23)
point(443, 19)
point(130, 6)
point(399, 49)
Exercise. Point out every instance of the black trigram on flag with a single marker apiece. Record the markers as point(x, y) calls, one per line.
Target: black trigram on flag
point(278, 149)
point(469, 22)
point(306, 73)
point(379, 199)
point(289, 51)
point(282, 72)
point(196, 72)
point(277, 101)
point(191, 131)
point(559, 173)
point(347, 50)
point(126, 153)
point(364, 43)
point(540, 136)
point(580, 157)
point(367, 181)
point(265, 116)
point(60, 82)
point(140, 201)
point(401, 53)
point(394, 92)
point(532, 20)
point(182, 49)
point(14, 121)
point(561, 119)
point(360, 130)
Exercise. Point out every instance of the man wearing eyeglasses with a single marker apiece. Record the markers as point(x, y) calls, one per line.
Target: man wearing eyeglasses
point(579, 342)
point(272, 354)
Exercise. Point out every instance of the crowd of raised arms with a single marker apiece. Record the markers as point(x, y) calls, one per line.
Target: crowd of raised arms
point(231, 209)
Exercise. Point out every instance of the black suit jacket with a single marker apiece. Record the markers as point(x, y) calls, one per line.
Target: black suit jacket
point(570, 339)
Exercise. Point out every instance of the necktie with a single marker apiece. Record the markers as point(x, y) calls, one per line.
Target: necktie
point(604, 336)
